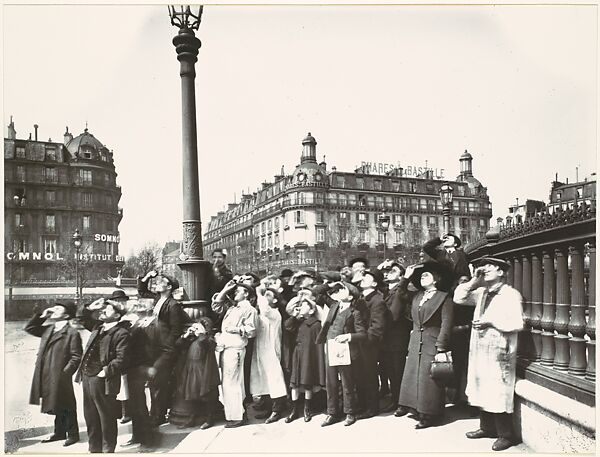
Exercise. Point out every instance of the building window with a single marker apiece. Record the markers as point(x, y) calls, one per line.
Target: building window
point(320, 235)
point(50, 222)
point(360, 183)
point(395, 186)
point(343, 235)
point(50, 174)
point(269, 226)
point(379, 201)
point(580, 192)
point(399, 219)
point(49, 246)
point(106, 178)
point(51, 196)
point(87, 199)
point(320, 217)
point(51, 154)
point(270, 241)
point(276, 220)
point(85, 177)
point(363, 236)
point(464, 223)
point(87, 153)
point(362, 200)
point(87, 222)
point(19, 246)
point(482, 223)
point(412, 186)
point(370, 201)
point(377, 184)
point(381, 236)
point(299, 217)
point(262, 228)
point(20, 173)
point(277, 240)
point(415, 221)
point(343, 200)
point(301, 255)
point(432, 221)
point(20, 152)
point(341, 181)
point(343, 217)
point(18, 219)
point(558, 196)
point(362, 218)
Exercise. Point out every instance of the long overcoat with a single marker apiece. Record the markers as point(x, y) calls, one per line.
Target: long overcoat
point(493, 351)
point(308, 359)
point(266, 373)
point(432, 326)
point(58, 357)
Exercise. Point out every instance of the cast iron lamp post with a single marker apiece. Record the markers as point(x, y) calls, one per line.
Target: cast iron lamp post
point(196, 270)
point(446, 198)
point(384, 224)
point(77, 245)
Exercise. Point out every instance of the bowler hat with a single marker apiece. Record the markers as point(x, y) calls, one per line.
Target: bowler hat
point(457, 240)
point(502, 264)
point(438, 268)
point(359, 259)
point(118, 294)
point(69, 306)
point(377, 275)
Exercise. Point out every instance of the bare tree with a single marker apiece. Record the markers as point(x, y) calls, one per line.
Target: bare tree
point(149, 258)
point(69, 265)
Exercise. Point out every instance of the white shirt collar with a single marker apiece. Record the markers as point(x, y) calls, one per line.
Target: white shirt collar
point(59, 325)
point(108, 325)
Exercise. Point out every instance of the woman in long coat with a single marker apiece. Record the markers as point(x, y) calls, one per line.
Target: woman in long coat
point(308, 359)
point(198, 374)
point(431, 312)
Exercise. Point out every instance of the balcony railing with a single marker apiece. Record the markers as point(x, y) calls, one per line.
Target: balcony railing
point(553, 259)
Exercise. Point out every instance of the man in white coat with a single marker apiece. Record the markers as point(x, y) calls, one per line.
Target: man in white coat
point(497, 319)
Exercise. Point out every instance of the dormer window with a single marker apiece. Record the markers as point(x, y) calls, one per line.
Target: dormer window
point(51, 154)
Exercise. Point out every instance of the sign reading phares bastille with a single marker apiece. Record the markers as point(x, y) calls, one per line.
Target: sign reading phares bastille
point(379, 168)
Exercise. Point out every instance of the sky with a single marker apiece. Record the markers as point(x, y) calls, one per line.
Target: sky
point(514, 85)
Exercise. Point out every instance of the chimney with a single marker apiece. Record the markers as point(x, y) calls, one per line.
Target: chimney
point(68, 137)
point(12, 133)
point(35, 126)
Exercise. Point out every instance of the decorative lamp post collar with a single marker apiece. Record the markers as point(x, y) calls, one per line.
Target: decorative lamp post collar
point(77, 239)
point(186, 17)
point(446, 195)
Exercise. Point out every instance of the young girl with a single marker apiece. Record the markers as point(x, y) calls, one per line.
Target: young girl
point(308, 361)
point(198, 378)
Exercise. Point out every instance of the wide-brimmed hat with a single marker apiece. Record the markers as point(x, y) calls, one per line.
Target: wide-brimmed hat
point(286, 273)
point(118, 295)
point(438, 268)
point(331, 275)
point(69, 306)
point(250, 289)
point(502, 264)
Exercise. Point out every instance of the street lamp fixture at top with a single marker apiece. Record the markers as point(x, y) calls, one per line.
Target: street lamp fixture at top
point(186, 16)
point(384, 221)
point(77, 239)
point(446, 194)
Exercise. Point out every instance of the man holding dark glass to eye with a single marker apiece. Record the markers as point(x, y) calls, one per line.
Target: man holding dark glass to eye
point(498, 317)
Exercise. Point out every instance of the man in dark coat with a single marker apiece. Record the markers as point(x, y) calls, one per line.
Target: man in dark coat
point(374, 314)
point(221, 274)
point(345, 324)
point(447, 249)
point(167, 327)
point(58, 357)
point(394, 347)
point(104, 360)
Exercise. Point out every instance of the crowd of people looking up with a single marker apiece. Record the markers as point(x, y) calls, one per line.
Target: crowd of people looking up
point(352, 343)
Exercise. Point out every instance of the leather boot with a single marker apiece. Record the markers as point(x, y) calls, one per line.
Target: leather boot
point(307, 413)
point(294, 413)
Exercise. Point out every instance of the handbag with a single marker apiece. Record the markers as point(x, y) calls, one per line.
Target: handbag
point(442, 372)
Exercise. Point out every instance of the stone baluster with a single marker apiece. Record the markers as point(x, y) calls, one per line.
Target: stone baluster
point(535, 307)
point(590, 329)
point(526, 345)
point(561, 321)
point(518, 274)
point(578, 363)
point(549, 306)
point(510, 279)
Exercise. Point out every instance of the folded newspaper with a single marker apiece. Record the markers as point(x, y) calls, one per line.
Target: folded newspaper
point(338, 354)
